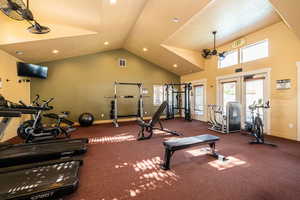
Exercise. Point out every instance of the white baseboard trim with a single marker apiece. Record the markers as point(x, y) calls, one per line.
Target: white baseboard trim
point(298, 100)
point(107, 121)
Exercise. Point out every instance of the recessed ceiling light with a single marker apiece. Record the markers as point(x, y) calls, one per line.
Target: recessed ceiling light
point(106, 43)
point(145, 49)
point(19, 52)
point(55, 51)
point(175, 19)
point(113, 1)
point(175, 65)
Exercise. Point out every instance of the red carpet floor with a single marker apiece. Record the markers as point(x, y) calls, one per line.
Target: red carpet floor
point(118, 167)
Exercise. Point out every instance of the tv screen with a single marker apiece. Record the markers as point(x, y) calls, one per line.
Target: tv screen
point(31, 70)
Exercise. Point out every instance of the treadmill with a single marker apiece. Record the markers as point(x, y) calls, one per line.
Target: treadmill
point(44, 180)
point(18, 154)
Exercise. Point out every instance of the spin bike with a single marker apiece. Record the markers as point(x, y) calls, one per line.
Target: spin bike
point(257, 127)
point(33, 130)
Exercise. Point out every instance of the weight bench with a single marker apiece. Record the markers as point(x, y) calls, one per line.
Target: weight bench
point(183, 143)
point(150, 126)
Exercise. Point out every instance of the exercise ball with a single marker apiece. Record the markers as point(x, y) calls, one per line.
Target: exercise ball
point(86, 119)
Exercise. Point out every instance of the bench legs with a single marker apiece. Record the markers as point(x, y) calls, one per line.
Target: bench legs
point(214, 153)
point(169, 153)
point(166, 164)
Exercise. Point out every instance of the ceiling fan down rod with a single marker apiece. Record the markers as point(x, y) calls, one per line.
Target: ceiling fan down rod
point(214, 32)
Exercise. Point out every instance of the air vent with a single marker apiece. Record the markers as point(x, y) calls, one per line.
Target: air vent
point(122, 62)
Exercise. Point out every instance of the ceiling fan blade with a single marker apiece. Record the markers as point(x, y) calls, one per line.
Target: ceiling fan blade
point(27, 14)
point(206, 53)
point(12, 8)
point(222, 55)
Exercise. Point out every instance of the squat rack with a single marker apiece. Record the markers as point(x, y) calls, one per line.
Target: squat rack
point(171, 109)
point(115, 102)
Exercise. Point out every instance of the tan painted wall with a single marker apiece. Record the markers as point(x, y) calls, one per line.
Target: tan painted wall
point(284, 52)
point(80, 84)
point(12, 89)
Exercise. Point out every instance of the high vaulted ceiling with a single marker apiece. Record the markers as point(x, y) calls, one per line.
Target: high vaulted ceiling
point(80, 27)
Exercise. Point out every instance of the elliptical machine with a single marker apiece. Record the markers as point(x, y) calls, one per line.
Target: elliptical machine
point(225, 123)
point(33, 130)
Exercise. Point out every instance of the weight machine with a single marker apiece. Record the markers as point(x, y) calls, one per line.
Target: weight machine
point(114, 103)
point(174, 98)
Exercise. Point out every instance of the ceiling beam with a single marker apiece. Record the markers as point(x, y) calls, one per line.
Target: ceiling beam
point(289, 12)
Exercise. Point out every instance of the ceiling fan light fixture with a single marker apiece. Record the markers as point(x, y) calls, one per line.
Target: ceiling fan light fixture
point(207, 53)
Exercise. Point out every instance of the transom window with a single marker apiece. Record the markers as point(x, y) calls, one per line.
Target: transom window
point(255, 51)
point(230, 59)
point(248, 53)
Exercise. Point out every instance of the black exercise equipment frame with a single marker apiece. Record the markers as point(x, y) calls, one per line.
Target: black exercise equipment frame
point(114, 103)
point(150, 126)
point(172, 108)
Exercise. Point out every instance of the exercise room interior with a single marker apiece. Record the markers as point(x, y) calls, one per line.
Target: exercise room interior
point(149, 99)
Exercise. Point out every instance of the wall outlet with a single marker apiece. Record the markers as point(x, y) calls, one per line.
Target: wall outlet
point(291, 125)
point(102, 115)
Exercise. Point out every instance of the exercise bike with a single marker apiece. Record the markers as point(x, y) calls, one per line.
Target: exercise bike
point(33, 130)
point(256, 126)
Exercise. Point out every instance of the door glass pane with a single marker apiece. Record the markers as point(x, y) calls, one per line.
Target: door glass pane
point(199, 99)
point(254, 92)
point(229, 93)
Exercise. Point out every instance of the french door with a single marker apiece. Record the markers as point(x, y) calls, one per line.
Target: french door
point(198, 101)
point(254, 93)
point(245, 89)
point(229, 91)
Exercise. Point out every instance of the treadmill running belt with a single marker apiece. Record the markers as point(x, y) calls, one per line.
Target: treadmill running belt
point(19, 154)
point(43, 182)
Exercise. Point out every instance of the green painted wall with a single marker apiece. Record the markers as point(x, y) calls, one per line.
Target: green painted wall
point(80, 84)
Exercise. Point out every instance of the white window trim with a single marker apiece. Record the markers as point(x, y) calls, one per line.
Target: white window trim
point(298, 100)
point(253, 44)
point(229, 52)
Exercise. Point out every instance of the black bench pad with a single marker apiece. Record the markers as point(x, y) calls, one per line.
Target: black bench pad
point(177, 144)
point(182, 143)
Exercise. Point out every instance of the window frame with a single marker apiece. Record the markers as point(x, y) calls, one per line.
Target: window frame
point(162, 97)
point(251, 45)
point(230, 52)
point(195, 98)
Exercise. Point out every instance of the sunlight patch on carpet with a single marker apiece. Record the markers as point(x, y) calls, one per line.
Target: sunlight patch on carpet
point(112, 139)
point(149, 176)
point(198, 152)
point(229, 163)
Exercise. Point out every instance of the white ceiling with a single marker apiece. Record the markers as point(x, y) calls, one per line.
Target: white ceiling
point(81, 27)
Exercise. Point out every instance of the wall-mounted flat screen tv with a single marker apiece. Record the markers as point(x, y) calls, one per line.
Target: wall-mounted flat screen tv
point(31, 70)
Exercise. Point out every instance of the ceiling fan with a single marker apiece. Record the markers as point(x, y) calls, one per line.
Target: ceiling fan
point(17, 10)
point(207, 53)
